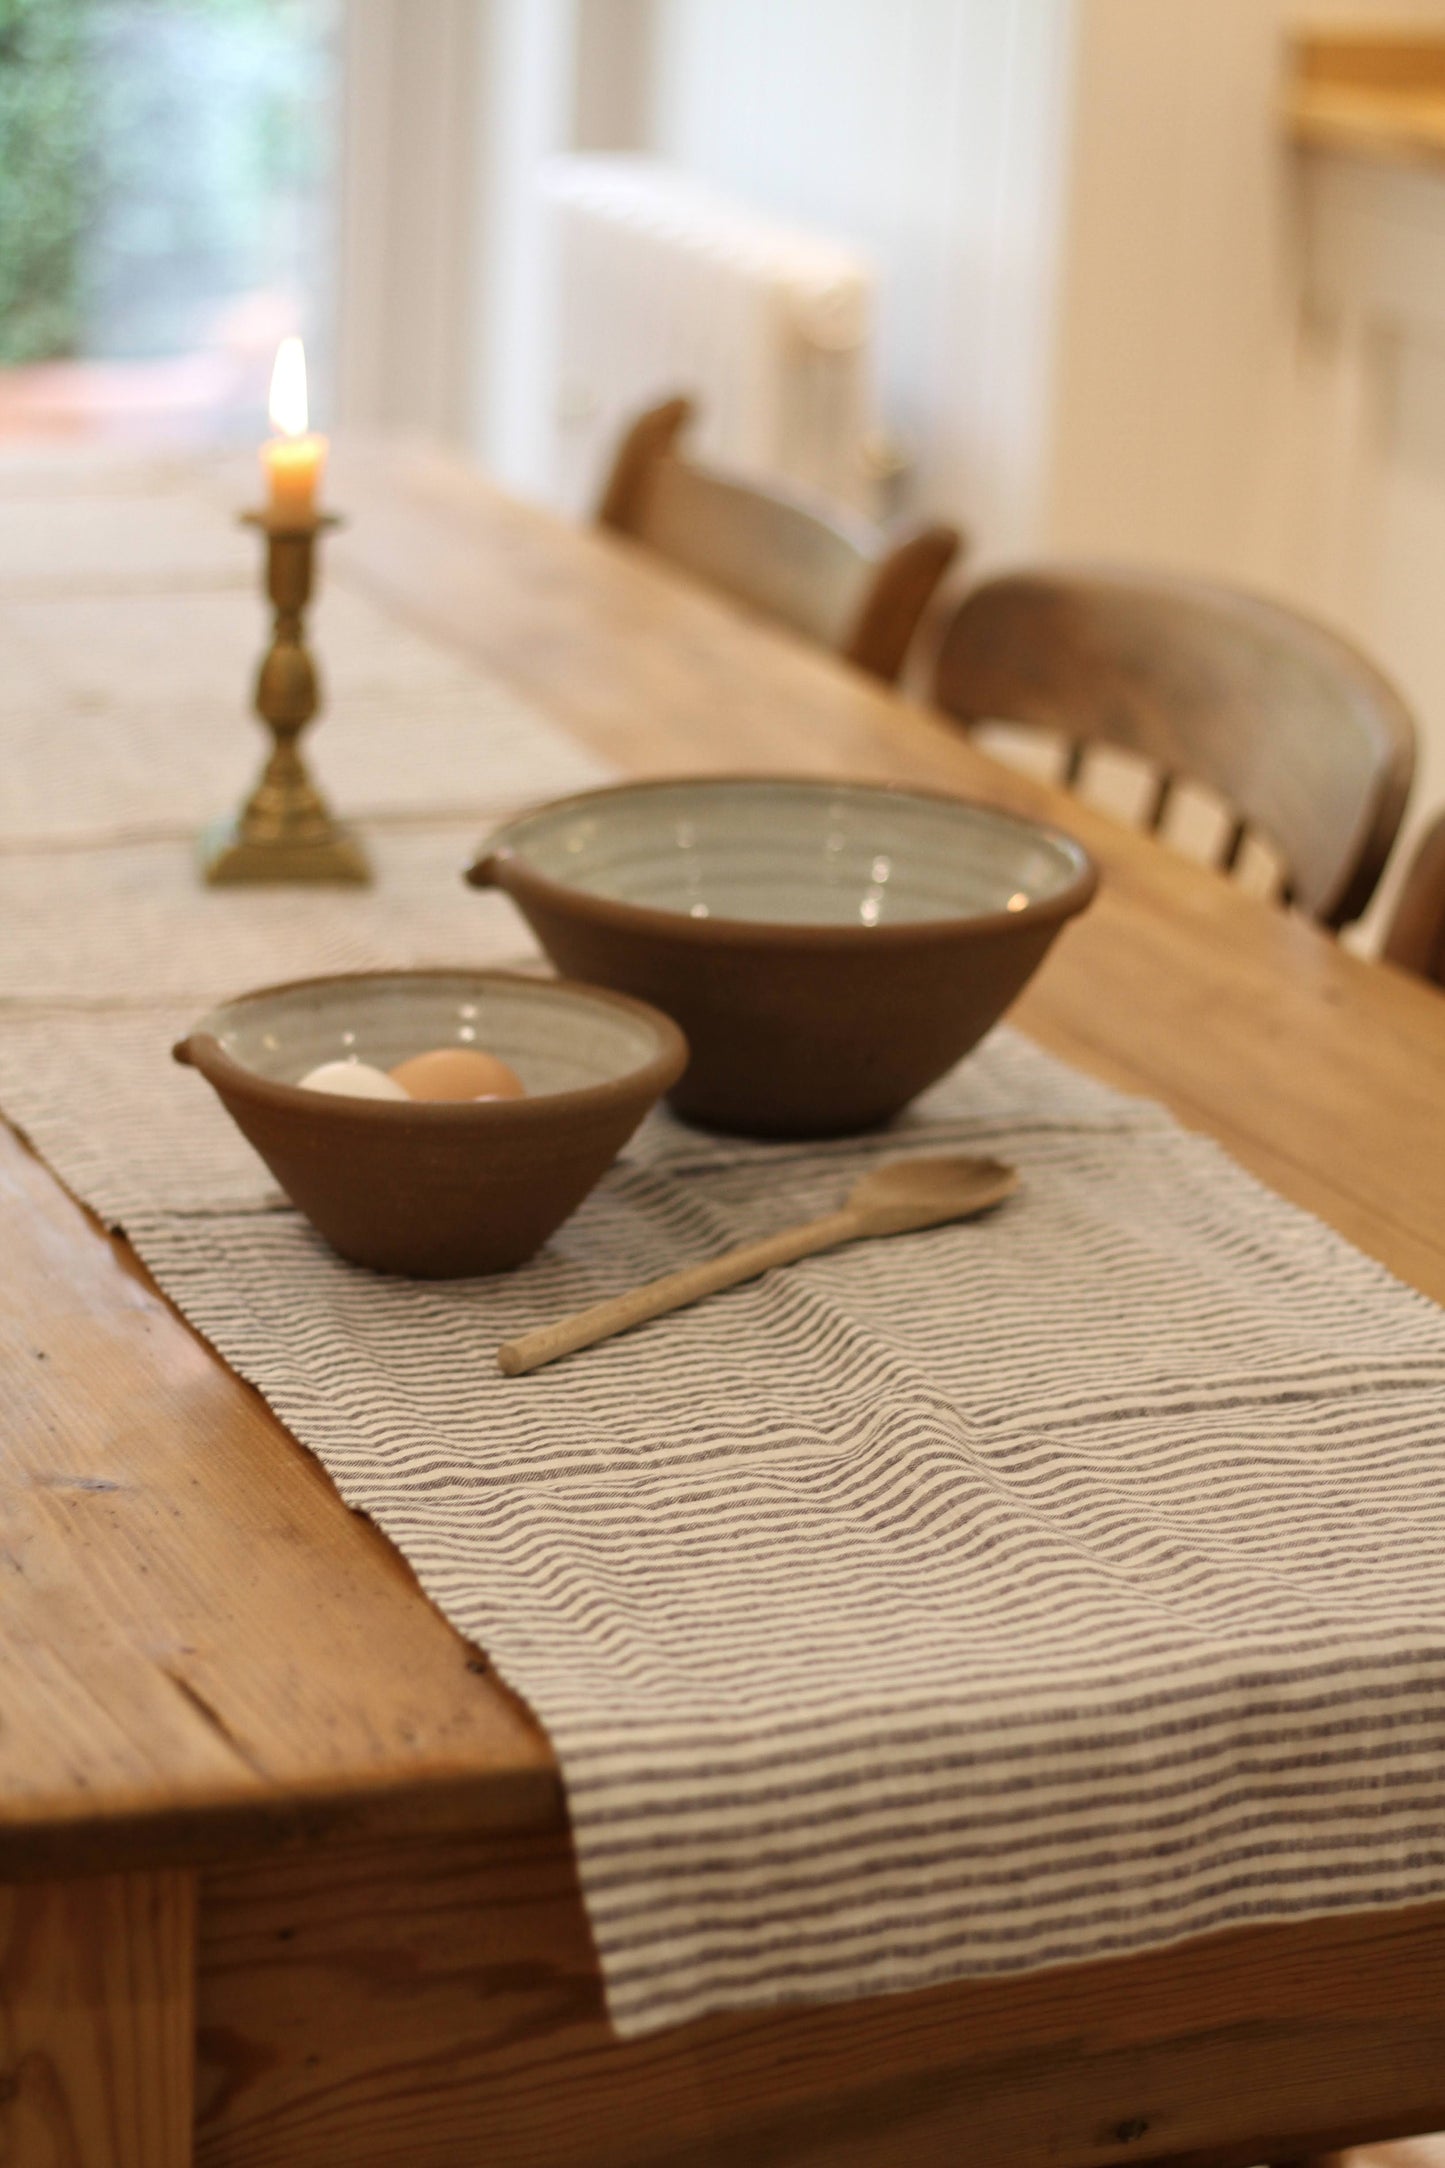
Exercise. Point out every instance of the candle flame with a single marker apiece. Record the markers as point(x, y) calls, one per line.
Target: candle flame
point(288, 389)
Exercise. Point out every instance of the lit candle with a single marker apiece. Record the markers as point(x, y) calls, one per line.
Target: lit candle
point(293, 459)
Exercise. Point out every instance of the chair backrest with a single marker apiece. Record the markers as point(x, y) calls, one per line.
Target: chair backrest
point(850, 586)
point(1416, 938)
point(1302, 738)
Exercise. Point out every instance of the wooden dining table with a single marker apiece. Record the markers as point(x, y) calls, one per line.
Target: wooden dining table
point(285, 1875)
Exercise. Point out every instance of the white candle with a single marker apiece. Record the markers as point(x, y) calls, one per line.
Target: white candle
point(293, 459)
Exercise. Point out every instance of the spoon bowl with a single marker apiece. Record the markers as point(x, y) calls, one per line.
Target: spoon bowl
point(904, 1194)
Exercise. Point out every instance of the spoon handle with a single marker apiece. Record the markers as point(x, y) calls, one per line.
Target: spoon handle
point(675, 1291)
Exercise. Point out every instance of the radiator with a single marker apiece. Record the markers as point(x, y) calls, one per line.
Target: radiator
point(665, 286)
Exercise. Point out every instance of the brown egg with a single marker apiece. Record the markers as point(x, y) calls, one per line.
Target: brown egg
point(457, 1072)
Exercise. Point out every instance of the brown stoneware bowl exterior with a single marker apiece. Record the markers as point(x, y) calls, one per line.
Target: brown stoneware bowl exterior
point(797, 1026)
point(437, 1190)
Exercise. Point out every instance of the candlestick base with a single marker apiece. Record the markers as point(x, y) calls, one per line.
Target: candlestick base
point(231, 858)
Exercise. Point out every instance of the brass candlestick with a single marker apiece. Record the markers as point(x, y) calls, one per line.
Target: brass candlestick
point(285, 832)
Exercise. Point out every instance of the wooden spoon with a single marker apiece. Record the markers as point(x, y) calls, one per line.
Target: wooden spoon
point(894, 1199)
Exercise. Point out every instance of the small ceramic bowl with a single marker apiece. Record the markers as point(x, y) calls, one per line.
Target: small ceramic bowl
point(829, 949)
point(437, 1189)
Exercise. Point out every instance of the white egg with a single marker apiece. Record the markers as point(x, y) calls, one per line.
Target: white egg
point(353, 1080)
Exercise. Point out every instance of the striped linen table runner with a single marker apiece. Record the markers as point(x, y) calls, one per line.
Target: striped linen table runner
point(1012, 1593)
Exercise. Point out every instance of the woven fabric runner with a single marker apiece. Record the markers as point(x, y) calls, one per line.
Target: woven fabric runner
point(1013, 1593)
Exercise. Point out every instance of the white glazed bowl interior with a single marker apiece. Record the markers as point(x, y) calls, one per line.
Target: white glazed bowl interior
point(794, 853)
point(557, 1038)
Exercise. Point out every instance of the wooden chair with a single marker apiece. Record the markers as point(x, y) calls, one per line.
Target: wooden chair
point(1307, 745)
point(1416, 938)
point(836, 579)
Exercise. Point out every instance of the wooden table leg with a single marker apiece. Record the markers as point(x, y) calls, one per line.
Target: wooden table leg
point(97, 2022)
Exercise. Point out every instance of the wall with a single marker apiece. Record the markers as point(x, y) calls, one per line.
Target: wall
point(1372, 411)
point(530, 64)
point(413, 213)
point(613, 73)
point(932, 133)
point(1086, 222)
point(1094, 249)
point(1176, 298)
point(1213, 412)
point(1095, 336)
point(1371, 401)
point(1185, 427)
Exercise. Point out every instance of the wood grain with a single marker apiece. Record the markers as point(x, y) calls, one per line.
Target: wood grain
point(1415, 938)
point(1393, 128)
point(203, 1648)
point(858, 589)
point(1378, 95)
point(433, 2004)
point(1313, 1067)
point(97, 2022)
point(1296, 732)
point(1404, 58)
point(206, 1655)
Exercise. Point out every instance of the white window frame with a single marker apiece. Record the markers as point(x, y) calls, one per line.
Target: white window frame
point(442, 291)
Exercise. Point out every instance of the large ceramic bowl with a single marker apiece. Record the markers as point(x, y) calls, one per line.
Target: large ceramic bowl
point(437, 1189)
point(829, 949)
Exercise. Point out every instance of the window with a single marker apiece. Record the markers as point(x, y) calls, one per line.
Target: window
point(167, 208)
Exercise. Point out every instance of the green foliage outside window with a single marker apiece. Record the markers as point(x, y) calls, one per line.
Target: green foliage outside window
point(44, 178)
point(157, 159)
